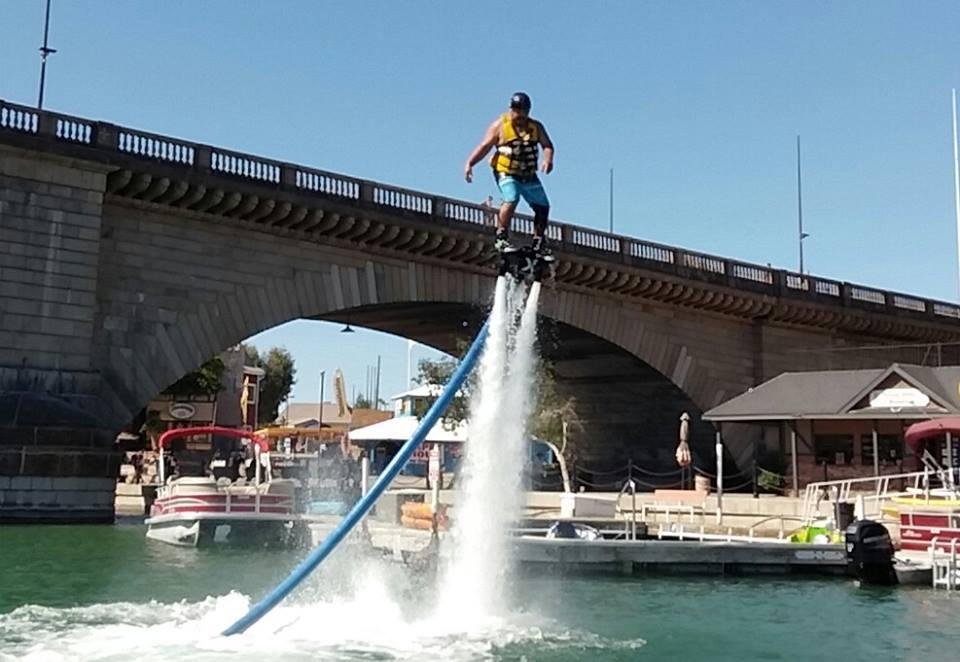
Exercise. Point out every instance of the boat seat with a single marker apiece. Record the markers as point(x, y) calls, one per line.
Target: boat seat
point(193, 485)
point(279, 487)
point(285, 486)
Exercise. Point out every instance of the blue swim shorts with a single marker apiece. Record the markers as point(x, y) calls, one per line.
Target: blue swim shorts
point(531, 190)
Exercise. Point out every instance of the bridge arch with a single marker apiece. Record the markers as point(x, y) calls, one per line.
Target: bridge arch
point(627, 375)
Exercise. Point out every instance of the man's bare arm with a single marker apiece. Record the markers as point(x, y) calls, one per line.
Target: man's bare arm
point(489, 140)
point(547, 145)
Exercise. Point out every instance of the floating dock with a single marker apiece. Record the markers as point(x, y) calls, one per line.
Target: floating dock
point(681, 557)
point(624, 556)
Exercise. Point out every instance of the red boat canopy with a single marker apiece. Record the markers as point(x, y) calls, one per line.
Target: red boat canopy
point(176, 433)
point(937, 427)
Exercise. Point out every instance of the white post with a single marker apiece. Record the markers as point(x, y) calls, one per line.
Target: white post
point(956, 177)
point(256, 475)
point(434, 508)
point(950, 459)
point(793, 459)
point(719, 478)
point(876, 455)
point(364, 475)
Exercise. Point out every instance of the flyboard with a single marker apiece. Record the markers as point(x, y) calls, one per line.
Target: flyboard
point(518, 263)
point(526, 263)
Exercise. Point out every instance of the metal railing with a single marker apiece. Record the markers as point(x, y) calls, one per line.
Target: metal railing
point(632, 488)
point(16, 119)
point(874, 490)
point(680, 532)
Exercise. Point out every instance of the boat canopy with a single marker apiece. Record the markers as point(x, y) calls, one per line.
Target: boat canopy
point(177, 433)
point(919, 432)
point(281, 431)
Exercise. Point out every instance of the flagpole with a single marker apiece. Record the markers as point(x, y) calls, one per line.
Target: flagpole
point(801, 235)
point(956, 183)
point(611, 200)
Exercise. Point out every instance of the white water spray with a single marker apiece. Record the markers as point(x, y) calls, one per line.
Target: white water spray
point(489, 499)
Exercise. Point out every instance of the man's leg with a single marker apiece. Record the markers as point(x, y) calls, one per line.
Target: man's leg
point(506, 213)
point(532, 191)
point(541, 214)
point(511, 195)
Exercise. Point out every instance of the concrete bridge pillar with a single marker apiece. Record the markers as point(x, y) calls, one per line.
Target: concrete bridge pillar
point(57, 426)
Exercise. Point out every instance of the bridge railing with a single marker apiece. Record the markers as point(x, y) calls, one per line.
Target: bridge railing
point(18, 119)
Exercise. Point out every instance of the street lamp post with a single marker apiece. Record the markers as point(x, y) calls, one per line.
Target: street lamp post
point(323, 378)
point(611, 200)
point(800, 233)
point(45, 50)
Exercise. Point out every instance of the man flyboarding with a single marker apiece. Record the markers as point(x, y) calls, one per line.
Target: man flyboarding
point(517, 138)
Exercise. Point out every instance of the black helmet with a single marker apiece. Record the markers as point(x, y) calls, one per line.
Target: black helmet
point(520, 101)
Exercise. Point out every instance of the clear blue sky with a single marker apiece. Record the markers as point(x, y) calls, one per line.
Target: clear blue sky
point(696, 105)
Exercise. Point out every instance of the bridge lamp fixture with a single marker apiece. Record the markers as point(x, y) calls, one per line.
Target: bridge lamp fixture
point(347, 329)
point(45, 51)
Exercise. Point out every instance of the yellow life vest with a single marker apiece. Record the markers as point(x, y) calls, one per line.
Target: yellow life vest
point(517, 153)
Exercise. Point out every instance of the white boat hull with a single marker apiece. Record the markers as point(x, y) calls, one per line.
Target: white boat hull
point(182, 534)
point(240, 529)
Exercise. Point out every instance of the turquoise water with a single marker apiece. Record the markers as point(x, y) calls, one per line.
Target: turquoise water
point(106, 593)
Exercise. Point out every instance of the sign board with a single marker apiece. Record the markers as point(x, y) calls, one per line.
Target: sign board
point(898, 397)
point(433, 467)
point(182, 410)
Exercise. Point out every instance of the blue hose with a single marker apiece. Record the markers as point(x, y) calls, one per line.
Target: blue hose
point(364, 504)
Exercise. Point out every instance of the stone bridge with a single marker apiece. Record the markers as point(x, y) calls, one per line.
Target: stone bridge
point(128, 258)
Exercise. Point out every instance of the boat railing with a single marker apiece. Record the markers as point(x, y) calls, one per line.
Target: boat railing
point(781, 534)
point(255, 487)
point(680, 532)
point(875, 490)
point(945, 476)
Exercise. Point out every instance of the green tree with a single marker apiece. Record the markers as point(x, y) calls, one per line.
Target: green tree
point(205, 380)
point(554, 415)
point(437, 373)
point(361, 402)
point(279, 379)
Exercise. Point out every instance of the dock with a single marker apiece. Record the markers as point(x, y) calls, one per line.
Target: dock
point(648, 555)
point(758, 557)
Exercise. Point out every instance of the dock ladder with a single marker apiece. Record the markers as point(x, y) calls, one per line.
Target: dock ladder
point(946, 571)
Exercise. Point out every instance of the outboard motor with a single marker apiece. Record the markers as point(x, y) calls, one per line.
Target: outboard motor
point(870, 553)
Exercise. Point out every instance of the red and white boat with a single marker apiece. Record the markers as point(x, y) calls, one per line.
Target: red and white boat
point(930, 515)
point(192, 511)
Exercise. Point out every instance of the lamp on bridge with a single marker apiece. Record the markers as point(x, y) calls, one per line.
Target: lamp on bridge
point(347, 329)
point(45, 51)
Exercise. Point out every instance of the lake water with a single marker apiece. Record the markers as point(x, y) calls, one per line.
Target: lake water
point(106, 593)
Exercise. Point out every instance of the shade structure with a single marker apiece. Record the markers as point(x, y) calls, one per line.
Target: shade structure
point(684, 458)
point(920, 432)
